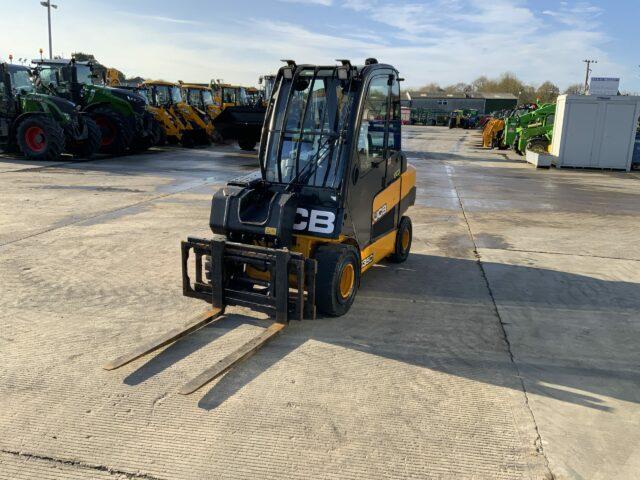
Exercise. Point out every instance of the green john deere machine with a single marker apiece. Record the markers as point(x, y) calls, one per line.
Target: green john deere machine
point(535, 130)
point(41, 126)
point(121, 114)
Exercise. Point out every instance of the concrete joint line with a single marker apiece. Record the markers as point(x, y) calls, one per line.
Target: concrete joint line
point(91, 217)
point(538, 440)
point(81, 465)
point(603, 257)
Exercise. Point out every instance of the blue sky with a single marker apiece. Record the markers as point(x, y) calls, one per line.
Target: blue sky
point(445, 41)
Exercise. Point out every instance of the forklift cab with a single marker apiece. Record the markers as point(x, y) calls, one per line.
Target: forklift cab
point(332, 136)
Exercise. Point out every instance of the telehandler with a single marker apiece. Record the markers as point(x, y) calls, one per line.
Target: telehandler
point(535, 130)
point(120, 114)
point(41, 126)
point(267, 82)
point(328, 203)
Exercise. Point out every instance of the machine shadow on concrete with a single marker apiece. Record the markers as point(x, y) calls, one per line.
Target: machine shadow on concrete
point(436, 313)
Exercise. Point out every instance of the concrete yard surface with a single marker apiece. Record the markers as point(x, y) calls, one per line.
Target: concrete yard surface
point(505, 347)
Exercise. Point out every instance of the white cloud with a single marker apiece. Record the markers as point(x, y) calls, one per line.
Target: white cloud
point(581, 14)
point(160, 18)
point(326, 3)
point(443, 41)
point(358, 5)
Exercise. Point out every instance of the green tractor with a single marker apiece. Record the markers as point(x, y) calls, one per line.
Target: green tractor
point(41, 126)
point(121, 114)
point(536, 130)
point(514, 121)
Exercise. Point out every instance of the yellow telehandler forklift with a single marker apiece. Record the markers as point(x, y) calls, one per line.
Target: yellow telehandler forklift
point(328, 203)
point(182, 122)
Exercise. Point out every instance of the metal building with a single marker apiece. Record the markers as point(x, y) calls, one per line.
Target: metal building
point(483, 102)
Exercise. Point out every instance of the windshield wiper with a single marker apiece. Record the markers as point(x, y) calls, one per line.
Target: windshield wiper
point(313, 164)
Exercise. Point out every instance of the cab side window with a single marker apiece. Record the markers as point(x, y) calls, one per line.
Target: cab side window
point(48, 77)
point(371, 140)
point(393, 140)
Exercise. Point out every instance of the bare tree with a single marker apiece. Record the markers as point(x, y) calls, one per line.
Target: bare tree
point(547, 92)
point(574, 89)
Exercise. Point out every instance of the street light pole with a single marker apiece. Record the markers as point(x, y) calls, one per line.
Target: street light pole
point(586, 78)
point(49, 6)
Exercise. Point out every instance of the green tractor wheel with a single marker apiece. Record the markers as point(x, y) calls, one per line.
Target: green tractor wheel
point(88, 147)
point(538, 145)
point(116, 135)
point(516, 145)
point(40, 138)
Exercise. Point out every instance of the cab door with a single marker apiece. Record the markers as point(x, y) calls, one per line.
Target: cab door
point(6, 103)
point(368, 170)
point(385, 210)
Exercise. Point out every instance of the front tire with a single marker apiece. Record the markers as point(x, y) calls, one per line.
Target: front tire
point(40, 138)
point(116, 135)
point(89, 147)
point(337, 279)
point(247, 143)
point(538, 145)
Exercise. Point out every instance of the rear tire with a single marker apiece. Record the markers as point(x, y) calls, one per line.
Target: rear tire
point(116, 134)
point(404, 238)
point(337, 279)
point(89, 147)
point(247, 143)
point(40, 138)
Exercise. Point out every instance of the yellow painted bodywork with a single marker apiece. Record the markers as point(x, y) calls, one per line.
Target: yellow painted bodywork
point(186, 118)
point(212, 110)
point(490, 131)
point(171, 125)
point(379, 249)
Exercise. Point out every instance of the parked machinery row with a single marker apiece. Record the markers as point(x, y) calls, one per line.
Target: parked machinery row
point(62, 106)
point(528, 127)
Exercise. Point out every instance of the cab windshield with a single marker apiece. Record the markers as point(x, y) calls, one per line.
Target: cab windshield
point(242, 98)
point(176, 95)
point(21, 81)
point(84, 74)
point(167, 94)
point(228, 95)
point(307, 129)
point(207, 98)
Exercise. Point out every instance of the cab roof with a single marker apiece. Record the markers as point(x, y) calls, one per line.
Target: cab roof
point(160, 82)
point(195, 86)
point(58, 61)
point(16, 68)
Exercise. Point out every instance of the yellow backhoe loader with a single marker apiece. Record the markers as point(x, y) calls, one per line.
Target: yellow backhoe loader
point(192, 125)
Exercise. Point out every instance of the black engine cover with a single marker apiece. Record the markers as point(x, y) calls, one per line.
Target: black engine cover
point(256, 211)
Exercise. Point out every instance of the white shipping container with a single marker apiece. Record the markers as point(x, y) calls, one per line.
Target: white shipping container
point(595, 131)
